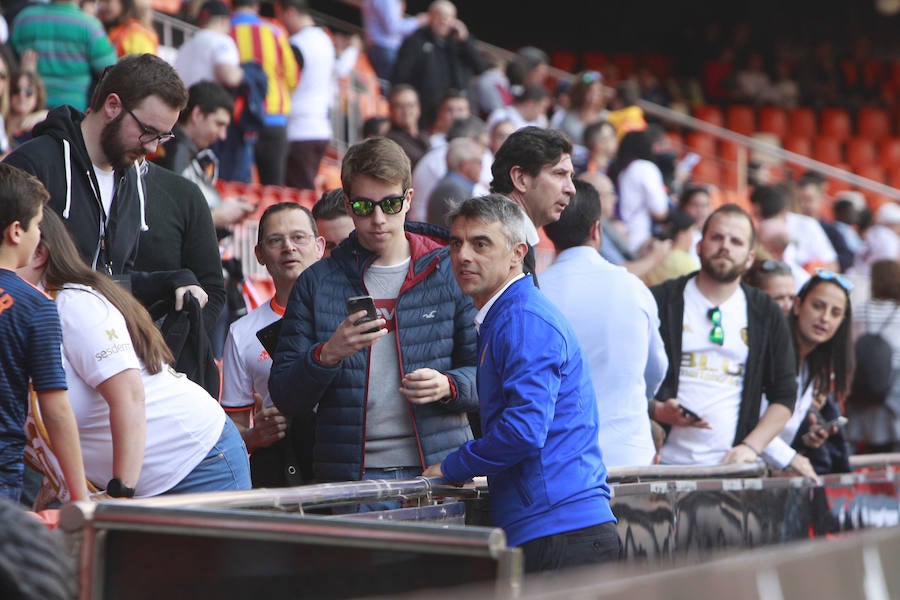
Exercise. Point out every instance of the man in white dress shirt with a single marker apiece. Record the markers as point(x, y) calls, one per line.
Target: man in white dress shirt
point(616, 320)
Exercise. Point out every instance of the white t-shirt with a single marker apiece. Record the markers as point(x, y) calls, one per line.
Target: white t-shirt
point(711, 379)
point(183, 420)
point(106, 180)
point(311, 100)
point(198, 57)
point(245, 363)
point(641, 193)
point(809, 240)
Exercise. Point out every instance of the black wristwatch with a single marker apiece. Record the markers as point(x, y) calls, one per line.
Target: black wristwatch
point(116, 489)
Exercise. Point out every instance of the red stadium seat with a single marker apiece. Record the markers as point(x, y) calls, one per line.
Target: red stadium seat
point(703, 144)
point(709, 113)
point(860, 152)
point(873, 123)
point(836, 186)
point(708, 172)
point(836, 123)
point(774, 120)
point(827, 149)
point(802, 121)
point(594, 61)
point(875, 172)
point(741, 119)
point(565, 60)
point(799, 144)
point(889, 152)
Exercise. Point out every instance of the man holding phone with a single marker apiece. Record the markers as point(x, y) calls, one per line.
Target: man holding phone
point(392, 400)
point(287, 243)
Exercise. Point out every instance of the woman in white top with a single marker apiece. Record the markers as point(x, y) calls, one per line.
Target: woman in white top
point(643, 198)
point(144, 429)
point(820, 322)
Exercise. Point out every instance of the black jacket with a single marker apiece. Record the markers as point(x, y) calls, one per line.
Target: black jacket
point(181, 236)
point(432, 66)
point(58, 157)
point(770, 368)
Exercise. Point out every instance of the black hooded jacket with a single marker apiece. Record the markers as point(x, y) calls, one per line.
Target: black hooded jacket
point(57, 155)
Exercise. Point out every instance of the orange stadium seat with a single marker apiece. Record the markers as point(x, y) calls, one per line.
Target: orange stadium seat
point(827, 149)
point(709, 113)
point(729, 151)
point(875, 172)
point(836, 186)
point(741, 119)
point(799, 144)
point(861, 151)
point(889, 152)
point(836, 123)
point(703, 144)
point(774, 120)
point(873, 123)
point(707, 171)
point(675, 141)
point(802, 121)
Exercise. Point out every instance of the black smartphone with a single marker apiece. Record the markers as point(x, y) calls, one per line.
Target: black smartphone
point(268, 336)
point(688, 413)
point(366, 303)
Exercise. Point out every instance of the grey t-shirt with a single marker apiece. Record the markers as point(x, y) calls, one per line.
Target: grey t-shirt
point(390, 437)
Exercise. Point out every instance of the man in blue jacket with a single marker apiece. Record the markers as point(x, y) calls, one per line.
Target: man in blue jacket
point(392, 394)
point(539, 416)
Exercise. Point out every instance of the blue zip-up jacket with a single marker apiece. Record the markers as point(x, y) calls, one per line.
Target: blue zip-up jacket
point(434, 329)
point(539, 421)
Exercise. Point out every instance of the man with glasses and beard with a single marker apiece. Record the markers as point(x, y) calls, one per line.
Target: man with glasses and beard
point(390, 394)
point(93, 166)
point(727, 344)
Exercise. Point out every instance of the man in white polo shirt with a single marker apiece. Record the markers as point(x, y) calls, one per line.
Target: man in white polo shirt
point(727, 344)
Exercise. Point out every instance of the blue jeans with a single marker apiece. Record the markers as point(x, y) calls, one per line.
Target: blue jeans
point(395, 473)
point(226, 467)
point(590, 545)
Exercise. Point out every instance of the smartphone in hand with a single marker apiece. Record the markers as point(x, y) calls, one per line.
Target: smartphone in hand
point(366, 303)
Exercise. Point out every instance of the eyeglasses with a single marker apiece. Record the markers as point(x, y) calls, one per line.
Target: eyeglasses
point(591, 77)
point(716, 334)
point(390, 205)
point(836, 278)
point(298, 238)
point(149, 134)
point(29, 92)
point(774, 266)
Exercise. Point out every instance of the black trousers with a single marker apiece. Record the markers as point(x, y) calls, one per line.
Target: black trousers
point(303, 160)
point(592, 545)
point(270, 151)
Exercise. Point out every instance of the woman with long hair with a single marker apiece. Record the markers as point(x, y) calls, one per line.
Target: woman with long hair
point(144, 428)
point(820, 323)
point(643, 198)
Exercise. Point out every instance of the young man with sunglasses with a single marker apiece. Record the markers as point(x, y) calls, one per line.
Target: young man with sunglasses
point(391, 395)
point(727, 344)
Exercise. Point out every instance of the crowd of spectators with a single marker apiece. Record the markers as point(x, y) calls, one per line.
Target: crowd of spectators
point(740, 320)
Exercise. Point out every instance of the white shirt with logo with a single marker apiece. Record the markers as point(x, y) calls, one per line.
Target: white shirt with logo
point(245, 363)
point(711, 379)
point(183, 420)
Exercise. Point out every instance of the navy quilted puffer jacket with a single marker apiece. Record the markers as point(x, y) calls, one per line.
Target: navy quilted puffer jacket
point(435, 330)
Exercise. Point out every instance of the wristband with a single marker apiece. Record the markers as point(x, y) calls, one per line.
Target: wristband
point(755, 451)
